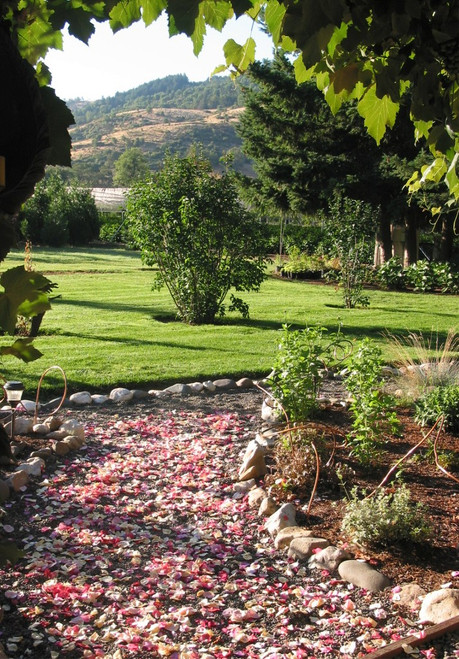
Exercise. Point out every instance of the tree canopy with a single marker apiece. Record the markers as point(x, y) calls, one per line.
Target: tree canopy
point(366, 50)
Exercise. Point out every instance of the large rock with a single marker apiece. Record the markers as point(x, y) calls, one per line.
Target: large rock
point(285, 536)
point(22, 425)
point(18, 480)
point(253, 463)
point(285, 516)
point(329, 558)
point(244, 383)
point(225, 383)
point(363, 575)
point(256, 496)
point(209, 386)
point(121, 394)
point(440, 605)
point(267, 507)
point(180, 389)
point(302, 548)
point(270, 412)
point(33, 466)
point(72, 427)
point(409, 595)
point(99, 399)
point(81, 398)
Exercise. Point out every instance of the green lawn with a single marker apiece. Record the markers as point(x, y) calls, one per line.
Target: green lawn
point(108, 328)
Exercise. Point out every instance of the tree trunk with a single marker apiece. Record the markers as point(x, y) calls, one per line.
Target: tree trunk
point(411, 241)
point(384, 238)
point(445, 251)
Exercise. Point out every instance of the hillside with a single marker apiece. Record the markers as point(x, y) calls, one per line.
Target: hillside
point(167, 114)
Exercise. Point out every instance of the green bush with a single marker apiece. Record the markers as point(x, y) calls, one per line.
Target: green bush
point(441, 401)
point(191, 224)
point(386, 518)
point(425, 276)
point(59, 214)
point(299, 368)
point(390, 275)
point(371, 409)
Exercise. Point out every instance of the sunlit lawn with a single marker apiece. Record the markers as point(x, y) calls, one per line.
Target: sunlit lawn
point(108, 328)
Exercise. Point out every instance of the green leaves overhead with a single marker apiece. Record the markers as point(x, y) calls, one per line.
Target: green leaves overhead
point(365, 49)
point(377, 113)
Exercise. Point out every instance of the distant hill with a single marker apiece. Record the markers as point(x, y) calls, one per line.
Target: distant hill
point(171, 114)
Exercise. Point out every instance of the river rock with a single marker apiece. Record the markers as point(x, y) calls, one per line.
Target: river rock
point(33, 466)
point(302, 548)
point(409, 595)
point(121, 394)
point(225, 383)
point(209, 386)
point(244, 383)
point(18, 480)
point(81, 398)
point(267, 507)
point(41, 428)
point(329, 558)
point(284, 516)
point(361, 574)
point(99, 399)
point(197, 387)
point(22, 425)
point(256, 496)
point(180, 389)
point(285, 536)
point(253, 463)
point(73, 427)
point(440, 605)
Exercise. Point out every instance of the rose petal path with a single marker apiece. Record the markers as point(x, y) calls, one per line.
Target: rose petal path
point(138, 546)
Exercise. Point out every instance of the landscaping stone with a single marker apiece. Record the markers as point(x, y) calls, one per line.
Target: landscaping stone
point(329, 558)
point(244, 486)
point(285, 536)
point(33, 466)
point(53, 404)
point(440, 605)
point(181, 389)
point(22, 425)
point(285, 516)
point(267, 439)
point(73, 442)
point(256, 496)
point(225, 384)
point(253, 463)
point(18, 480)
point(267, 507)
point(81, 398)
point(197, 387)
point(60, 447)
point(302, 548)
point(54, 422)
point(41, 428)
point(99, 399)
point(139, 394)
point(269, 412)
point(408, 595)
point(244, 383)
point(209, 386)
point(28, 405)
point(73, 427)
point(363, 575)
point(43, 453)
point(120, 394)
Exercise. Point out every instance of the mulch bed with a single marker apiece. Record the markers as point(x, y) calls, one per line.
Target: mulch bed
point(136, 546)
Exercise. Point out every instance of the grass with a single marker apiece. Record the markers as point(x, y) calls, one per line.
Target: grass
point(109, 329)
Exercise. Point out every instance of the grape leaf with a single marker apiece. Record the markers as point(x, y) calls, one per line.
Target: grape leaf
point(378, 113)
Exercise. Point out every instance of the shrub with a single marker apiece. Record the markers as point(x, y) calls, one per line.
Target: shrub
point(386, 518)
point(390, 275)
point(58, 214)
point(426, 276)
point(299, 367)
point(371, 409)
point(191, 224)
point(441, 401)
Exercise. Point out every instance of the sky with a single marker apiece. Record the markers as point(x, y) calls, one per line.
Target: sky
point(122, 61)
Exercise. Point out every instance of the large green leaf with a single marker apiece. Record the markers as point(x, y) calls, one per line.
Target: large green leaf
point(24, 293)
point(378, 113)
point(59, 119)
point(240, 57)
point(22, 349)
point(151, 9)
point(124, 13)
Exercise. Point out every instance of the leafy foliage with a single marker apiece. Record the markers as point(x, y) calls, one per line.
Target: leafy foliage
point(191, 224)
point(386, 518)
point(371, 409)
point(440, 401)
point(351, 226)
point(299, 368)
point(130, 167)
point(58, 214)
